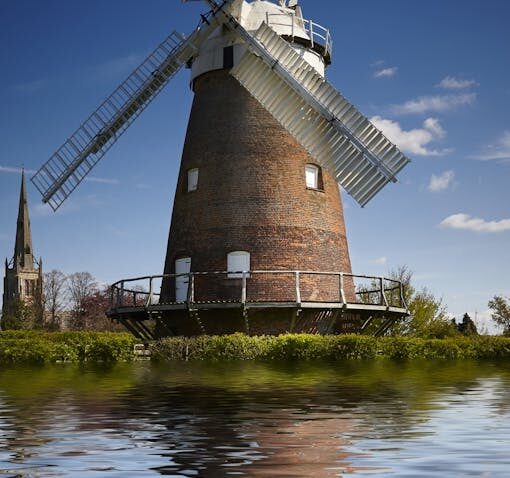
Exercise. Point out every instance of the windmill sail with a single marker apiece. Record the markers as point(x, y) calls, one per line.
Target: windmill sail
point(67, 167)
point(333, 131)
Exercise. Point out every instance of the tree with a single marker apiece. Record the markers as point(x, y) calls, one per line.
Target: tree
point(54, 297)
point(500, 307)
point(22, 315)
point(94, 312)
point(81, 285)
point(428, 317)
point(467, 326)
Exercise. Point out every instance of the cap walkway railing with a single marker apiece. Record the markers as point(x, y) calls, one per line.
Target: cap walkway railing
point(294, 27)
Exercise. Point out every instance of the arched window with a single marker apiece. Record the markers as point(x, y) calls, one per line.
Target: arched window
point(237, 263)
point(192, 179)
point(313, 176)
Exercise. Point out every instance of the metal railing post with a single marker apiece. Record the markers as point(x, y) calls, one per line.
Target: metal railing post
point(243, 289)
point(149, 299)
point(191, 288)
point(342, 292)
point(383, 295)
point(311, 32)
point(121, 297)
point(402, 296)
point(292, 18)
point(298, 287)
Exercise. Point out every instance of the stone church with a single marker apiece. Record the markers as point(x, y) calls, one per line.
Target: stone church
point(23, 273)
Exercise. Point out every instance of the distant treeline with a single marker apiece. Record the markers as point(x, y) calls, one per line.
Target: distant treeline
point(75, 301)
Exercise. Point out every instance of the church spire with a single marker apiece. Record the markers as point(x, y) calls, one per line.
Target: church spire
point(23, 254)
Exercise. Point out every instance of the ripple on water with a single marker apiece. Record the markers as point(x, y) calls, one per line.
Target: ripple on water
point(254, 420)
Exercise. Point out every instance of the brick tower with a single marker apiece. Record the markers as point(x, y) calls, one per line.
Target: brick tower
point(249, 196)
point(23, 273)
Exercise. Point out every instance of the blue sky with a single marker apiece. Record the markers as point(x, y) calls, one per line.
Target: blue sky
point(434, 75)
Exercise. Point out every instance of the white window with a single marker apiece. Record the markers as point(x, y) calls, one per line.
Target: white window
point(182, 266)
point(192, 179)
point(312, 176)
point(237, 263)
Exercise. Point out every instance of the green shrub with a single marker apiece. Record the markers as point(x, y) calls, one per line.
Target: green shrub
point(46, 347)
point(352, 347)
point(299, 347)
point(34, 347)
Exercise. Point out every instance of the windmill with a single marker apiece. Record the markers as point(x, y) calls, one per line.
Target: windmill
point(257, 222)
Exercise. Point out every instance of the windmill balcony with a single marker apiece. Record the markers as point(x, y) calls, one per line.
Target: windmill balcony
point(361, 297)
point(305, 32)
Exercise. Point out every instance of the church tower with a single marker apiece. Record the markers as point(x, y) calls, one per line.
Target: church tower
point(23, 273)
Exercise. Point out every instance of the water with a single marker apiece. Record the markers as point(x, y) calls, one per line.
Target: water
point(256, 420)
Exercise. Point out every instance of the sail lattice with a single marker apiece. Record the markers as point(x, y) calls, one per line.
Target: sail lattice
point(332, 130)
point(68, 166)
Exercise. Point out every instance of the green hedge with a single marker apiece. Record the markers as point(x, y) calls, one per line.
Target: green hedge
point(329, 347)
point(45, 347)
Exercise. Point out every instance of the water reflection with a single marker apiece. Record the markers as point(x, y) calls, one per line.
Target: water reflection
point(256, 420)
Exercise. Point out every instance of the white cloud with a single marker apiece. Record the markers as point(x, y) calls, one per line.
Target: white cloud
point(72, 204)
point(498, 152)
point(386, 72)
point(433, 125)
point(92, 179)
point(414, 141)
point(116, 67)
point(10, 169)
point(29, 87)
point(469, 223)
point(452, 83)
point(380, 261)
point(441, 182)
point(42, 209)
point(436, 103)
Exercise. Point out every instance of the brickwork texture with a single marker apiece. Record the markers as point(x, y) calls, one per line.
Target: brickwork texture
point(252, 197)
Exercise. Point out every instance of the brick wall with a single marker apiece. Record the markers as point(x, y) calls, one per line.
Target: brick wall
point(251, 196)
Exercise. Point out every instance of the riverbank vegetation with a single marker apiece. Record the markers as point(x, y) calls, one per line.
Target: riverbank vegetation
point(327, 347)
point(30, 347)
point(35, 347)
